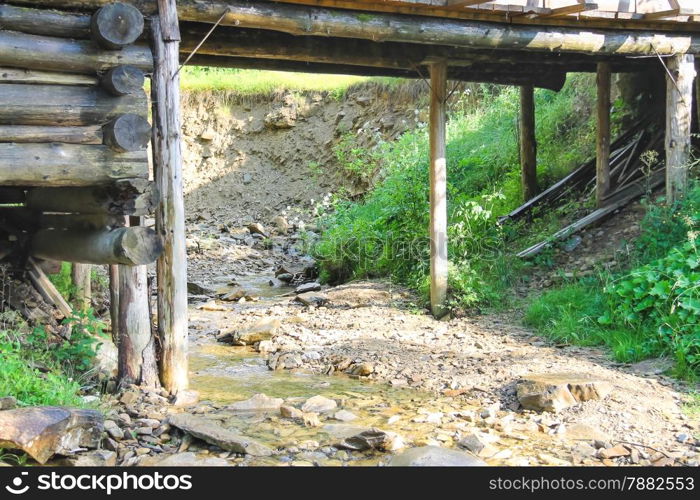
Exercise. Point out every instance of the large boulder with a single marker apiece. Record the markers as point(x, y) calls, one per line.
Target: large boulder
point(45, 431)
point(319, 404)
point(213, 433)
point(264, 329)
point(556, 391)
point(435, 456)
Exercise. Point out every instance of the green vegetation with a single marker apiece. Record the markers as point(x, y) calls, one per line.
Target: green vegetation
point(251, 82)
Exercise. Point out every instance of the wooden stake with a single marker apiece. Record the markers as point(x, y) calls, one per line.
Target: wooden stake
point(528, 142)
point(114, 302)
point(438, 188)
point(679, 106)
point(603, 136)
point(81, 275)
point(170, 212)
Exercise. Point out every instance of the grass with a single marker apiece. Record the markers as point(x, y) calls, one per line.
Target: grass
point(252, 82)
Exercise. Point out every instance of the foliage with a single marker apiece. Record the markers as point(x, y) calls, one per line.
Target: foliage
point(385, 234)
point(63, 280)
point(359, 163)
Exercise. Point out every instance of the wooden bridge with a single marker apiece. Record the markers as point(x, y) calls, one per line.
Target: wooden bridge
point(73, 129)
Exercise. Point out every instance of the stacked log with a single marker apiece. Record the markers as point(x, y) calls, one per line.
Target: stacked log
point(74, 132)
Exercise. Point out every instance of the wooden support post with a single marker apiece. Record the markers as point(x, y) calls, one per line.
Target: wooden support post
point(170, 212)
point(603, 135)
point(114, 301)
point(528, 142)
point(137, 355)
point(82, 282)
point(438, 188)
point(679, 109)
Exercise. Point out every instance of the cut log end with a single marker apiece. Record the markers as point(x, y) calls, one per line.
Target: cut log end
point(140, 245)
point(123, 80)
point(116, 25)
point(127, 132)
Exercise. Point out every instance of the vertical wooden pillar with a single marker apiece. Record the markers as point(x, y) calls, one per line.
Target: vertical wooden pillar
point(137, 358)
point(679, 110)
point(170, 212)
point(114, 301)
point(438, 188)
point(528, 142)
point(603, 137)
point(81, 275)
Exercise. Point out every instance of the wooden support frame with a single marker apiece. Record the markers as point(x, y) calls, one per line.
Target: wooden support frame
point(438, 188)
point(603, 81)
point(81, 275)
point(170, 211)
point(679, 106)
point(528, 142)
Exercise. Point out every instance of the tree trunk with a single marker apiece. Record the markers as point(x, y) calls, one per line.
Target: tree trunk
point(37, 52)
point(131, 246)
point(44, 22)
point(679, 115)
point(528, 143)
point(438, 189)
point(170, 213)
point(82, 282)
point(603, 135)
point(65, 105)
point(123, 197)
point(43, 133)
point(53, 165)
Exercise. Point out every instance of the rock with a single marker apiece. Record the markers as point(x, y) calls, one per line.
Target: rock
point(311, 419)
point(7, 403)
point(281, 118)
point(258, 403)
point(113, 430)
point(434, 456)
point(235, 295)
point(584, 432)
point(472, 443)
point(312, 299)
point(284, 361)
point(207, 152)
point(554, 392)
point(344, 416)
point(247, 178)
point(96, 458)
point(264, 329)
point(285, 277)
point(197, 289)
point(683, 437)
point(361, 369)
point(318, 404)
point(45, 431)
point(206, 430)
point(281, 224)
point(308, 287)
point(291, 412)
point(185, 398)
point(257, 228)
point(372, 439)
point(614, 452)
point(106, 357)
point(187, 459)
point(208, 135)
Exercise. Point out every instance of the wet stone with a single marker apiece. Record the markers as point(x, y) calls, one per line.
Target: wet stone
point(435, 456)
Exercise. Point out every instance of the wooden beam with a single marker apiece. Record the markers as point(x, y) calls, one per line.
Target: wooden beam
point(55, 164)
point(571, 9)
point(528, 142)
point(170, 212)
point(44, 133)
point(679, 105)
point(44, 22)
point(65, 105)
point(47, 289)
point(603, 81)
point(438, 188)
point(16, 75)
point(34, 52)
point(458, 4)
point(669, 13)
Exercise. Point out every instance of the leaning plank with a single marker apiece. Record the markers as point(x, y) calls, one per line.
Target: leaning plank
point(65, 105)
point(21, 50)
point(47, 289)
point(67, 164)
point(43, 133)
point(131, 246)
point(123, 197)
point(615, 202)
point(17, 75)
point(44, 22)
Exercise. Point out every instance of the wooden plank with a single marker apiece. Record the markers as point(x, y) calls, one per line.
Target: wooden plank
point(44, 22)
point(528, 143)
point(170, 212)
point(603, 133)
point(27, 76)
point(438, 188)
point(47, 289)
point(43, 133)
point(572, 9)
point(679, 105)
point(669, 13)
point(458, 4)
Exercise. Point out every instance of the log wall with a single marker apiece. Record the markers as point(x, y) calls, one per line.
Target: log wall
point(74, 132)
